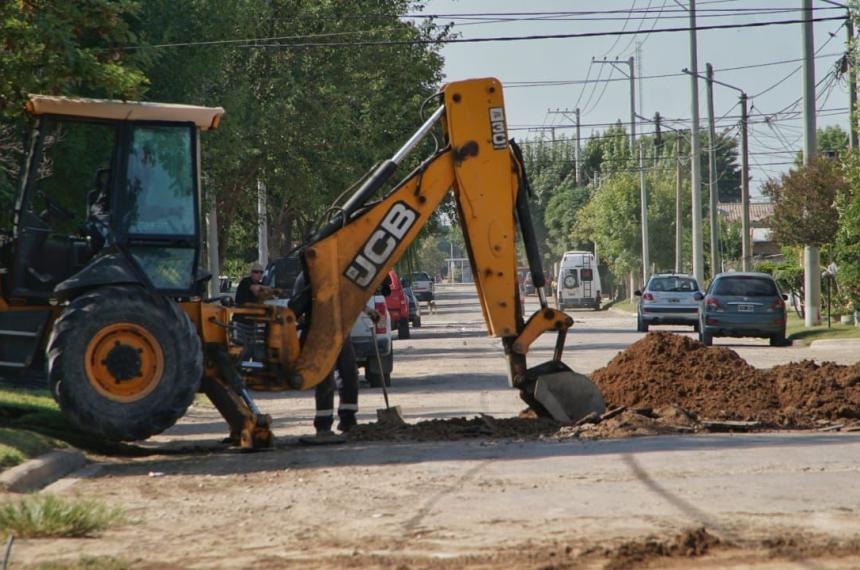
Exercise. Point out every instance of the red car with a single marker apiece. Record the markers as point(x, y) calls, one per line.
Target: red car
point(398, 306)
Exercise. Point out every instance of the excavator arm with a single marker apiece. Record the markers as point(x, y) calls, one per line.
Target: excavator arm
point(347, 260)
point(352, 255)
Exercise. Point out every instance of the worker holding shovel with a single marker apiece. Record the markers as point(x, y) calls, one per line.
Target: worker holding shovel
point(343, 379)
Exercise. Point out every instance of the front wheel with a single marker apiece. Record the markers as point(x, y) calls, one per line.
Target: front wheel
point(403, 328)
point(706, 338)
point(641, 324)
point(124, 364)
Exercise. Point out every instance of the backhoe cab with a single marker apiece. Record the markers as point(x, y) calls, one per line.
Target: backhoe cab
point(105, 248)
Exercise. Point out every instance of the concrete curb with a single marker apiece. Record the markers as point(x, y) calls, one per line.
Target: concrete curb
point(41, 471)
point(837, 344)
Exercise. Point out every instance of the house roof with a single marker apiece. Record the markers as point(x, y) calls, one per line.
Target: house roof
point(204, 117)
point(733, 211)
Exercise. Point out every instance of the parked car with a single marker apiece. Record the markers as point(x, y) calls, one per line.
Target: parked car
point(362, 343)
point(414, 307)
point(741, 305)
point(282, 273)
point(423, 286)
point(578, 281)
point(398, 306)
point(528, 284)
point(668, 299)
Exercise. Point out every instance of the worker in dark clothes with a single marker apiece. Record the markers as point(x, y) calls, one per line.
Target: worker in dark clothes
point(251, 290)
point(344, 380)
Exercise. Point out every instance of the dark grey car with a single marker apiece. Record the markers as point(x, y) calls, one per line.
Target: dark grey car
point(743, 304)
point(668, 299)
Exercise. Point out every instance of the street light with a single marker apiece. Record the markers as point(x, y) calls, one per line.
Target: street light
point(746, 251)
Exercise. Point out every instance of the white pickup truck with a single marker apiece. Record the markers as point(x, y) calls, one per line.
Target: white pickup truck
point(423, 286)
point(362, 342)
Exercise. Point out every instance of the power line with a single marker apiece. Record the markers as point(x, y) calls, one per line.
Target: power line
point(270, 42)
point(552, 83)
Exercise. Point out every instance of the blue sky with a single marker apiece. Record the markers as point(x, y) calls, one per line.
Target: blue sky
point(772, 88)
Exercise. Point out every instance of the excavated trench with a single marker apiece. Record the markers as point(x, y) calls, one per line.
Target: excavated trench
point(667, 383)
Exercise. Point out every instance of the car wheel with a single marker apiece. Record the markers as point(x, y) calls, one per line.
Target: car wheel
point(376, 379)
point(778, 339)
point(641, 325)
point(403, 329)
point(696, 326)
point(418, 322)
point(707, 338)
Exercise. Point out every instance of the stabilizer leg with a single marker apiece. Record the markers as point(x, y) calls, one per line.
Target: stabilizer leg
point(247, 424)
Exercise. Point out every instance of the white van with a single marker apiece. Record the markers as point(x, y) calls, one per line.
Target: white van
point(578, 282)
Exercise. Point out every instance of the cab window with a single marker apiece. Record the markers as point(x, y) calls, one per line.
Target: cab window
point(159, 182)
point(75, 157)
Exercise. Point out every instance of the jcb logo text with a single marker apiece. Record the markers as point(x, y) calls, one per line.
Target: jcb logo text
point(382, 243)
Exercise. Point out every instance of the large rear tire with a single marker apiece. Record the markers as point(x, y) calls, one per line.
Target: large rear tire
point(124, 364)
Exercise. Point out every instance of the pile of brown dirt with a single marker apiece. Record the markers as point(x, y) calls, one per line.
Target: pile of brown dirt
point(457, 429)
point(664, 369)
point(691, 543)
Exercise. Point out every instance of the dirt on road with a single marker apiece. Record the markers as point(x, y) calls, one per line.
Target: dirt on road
point(667, 383)
point(664, 369)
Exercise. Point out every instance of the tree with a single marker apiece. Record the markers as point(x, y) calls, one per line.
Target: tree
point(57, 47)
point(847, 250)
point(804, 203)
point(305, 121)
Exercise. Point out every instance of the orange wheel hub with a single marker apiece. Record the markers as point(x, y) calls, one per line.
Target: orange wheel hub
point(124, 362)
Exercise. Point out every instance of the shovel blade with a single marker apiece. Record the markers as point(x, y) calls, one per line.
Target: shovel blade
point(391, 417)
point(567, 395)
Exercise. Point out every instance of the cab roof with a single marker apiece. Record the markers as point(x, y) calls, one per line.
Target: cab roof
point(204, 117)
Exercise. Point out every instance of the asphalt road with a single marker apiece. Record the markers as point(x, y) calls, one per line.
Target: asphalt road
point(382, 503)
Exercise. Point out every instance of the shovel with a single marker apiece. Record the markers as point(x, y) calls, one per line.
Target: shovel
point(389, 416)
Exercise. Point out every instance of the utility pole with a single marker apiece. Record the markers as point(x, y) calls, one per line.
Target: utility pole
point(214, 287)
point(852, 83)
point(632, 76)
point(643, 199)
point(695, 152)
point(678, 204)
point(746, 249)
point(578, 151)
point(262, 225)
point(811, 254)
point(658, 138)
point(712, 175)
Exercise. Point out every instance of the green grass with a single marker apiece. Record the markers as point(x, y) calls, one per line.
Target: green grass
point(49, 516)
point(626, 305)
point(31, 423)
point(87, 563)
point(800, 335)
point(19, 445)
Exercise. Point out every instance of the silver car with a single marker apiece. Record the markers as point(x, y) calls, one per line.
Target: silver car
point(668, 299)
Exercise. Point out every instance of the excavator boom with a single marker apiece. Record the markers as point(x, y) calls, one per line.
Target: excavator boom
point(352, 255)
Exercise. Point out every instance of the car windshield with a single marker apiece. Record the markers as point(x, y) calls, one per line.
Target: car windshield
point(420, 276)
point(742, 286)
point(673, 285)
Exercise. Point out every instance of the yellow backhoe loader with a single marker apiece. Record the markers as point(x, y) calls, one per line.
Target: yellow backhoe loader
point(100, 271)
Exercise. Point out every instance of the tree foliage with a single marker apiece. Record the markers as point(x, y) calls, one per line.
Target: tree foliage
point(804, 211)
